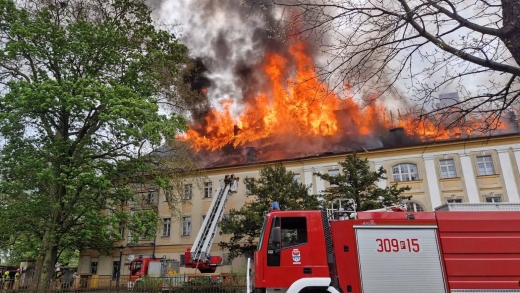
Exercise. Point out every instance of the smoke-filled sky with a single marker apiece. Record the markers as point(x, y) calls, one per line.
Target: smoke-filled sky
point(229, 37)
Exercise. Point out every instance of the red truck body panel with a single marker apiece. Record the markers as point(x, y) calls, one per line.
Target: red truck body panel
point(344, 235)
point(481, 249)
point(477, 250)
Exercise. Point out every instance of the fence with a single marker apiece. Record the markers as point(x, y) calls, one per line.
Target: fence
point(222, 283)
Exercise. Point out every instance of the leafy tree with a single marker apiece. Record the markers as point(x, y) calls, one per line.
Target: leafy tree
point(82, 86)
point(358, 182)
point(275, 183)
point(417, 49)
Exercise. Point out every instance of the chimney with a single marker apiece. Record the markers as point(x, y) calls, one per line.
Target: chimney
point(397, 136)
point(250, 154)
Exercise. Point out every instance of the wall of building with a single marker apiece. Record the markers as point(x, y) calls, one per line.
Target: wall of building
point(496, 178)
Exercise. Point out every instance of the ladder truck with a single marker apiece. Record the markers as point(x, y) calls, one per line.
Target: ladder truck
point(198, 257)
point(459, 247)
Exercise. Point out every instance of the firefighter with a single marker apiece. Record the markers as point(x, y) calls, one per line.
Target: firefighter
point(6, 280)
point(57, 278)
point(17, 279)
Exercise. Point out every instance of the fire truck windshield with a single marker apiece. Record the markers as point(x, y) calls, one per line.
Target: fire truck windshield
point(135, 267)
point(262, 235)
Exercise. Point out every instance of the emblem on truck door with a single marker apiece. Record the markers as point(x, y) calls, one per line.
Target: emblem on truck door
point(296, 257)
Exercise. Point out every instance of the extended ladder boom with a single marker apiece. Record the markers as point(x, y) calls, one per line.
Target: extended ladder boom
point(202, 245)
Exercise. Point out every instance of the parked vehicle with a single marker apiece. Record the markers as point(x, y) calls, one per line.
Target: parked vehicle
point(457, 248)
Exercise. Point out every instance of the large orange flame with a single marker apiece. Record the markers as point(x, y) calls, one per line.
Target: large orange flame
point(299, 104)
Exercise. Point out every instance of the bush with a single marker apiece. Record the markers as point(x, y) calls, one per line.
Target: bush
point(205, 284)
point(148, 284)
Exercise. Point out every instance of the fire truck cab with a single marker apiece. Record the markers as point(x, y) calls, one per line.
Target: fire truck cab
point(457, 248)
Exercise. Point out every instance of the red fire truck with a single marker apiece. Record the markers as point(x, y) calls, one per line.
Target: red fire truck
point(153, 267)
point(458, 248)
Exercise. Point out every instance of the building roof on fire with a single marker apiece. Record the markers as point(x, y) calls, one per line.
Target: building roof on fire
point(258, 155)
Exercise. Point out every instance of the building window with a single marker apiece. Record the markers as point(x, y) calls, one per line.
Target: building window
point(448, 168)
point(405, 172)
point(247, 183)
point(115, 269)
point(208, 189)
point(93, 268)
point(188, 191)
point(454, 200)
point(186, 226)
point(122, 230)
point(225, 259)
point(414, 207)
point(298, 178)
point(485, 165)
point(151, 197)
point(181, 260)
point(334, 172)
point(494, 198)
point(166, 227)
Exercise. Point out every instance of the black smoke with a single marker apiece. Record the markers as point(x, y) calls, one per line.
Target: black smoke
point(229, 39)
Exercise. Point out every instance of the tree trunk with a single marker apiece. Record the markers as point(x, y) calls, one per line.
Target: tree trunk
point(49, 263)
point(45, 266)
point(511, 20)
point(35, 281)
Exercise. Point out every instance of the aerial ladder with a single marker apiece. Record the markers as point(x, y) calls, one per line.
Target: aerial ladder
point(198, 257)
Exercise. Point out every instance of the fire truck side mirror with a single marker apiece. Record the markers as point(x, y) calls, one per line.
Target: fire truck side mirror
point(276, 235)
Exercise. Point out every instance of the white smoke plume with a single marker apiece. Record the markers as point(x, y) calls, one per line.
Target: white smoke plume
point(230, 38)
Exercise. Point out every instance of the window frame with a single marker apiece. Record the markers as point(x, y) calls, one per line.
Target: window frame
point(246, 181)
point(115, 269)
point(225, 261)
point(484, 164)
point(122, 229)
point(183, 231)
point(447, 166)
point(151, 197)
point(454, 200)
point(297, 177)
point(334, 170)
point(493, 199)
point(208, 189)
point(94, 267)
point(409, 172)
point(188, 195)
point(415, 204)
point(167, 225)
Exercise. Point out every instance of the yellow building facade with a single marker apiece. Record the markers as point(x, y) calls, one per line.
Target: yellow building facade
point(472, 171)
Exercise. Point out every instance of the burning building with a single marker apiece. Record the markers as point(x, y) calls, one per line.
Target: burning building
point(310, 134)
point(286, 114)
point(450, 171)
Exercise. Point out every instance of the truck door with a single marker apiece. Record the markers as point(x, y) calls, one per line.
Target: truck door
point(399, 259)
point(291, 259)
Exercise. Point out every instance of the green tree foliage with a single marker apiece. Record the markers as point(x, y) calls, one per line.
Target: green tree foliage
point(358, 182)
point(275, 183)
point(83, 82)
